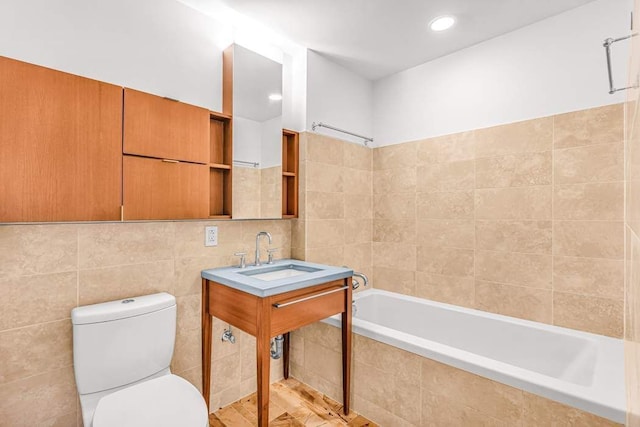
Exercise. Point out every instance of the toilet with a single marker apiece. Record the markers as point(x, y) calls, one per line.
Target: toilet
point(121, 353)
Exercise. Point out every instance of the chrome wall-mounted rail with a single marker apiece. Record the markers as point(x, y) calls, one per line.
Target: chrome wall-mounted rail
point(607, 46)
point(323, 125)
point(242, 162)
point(286, 304)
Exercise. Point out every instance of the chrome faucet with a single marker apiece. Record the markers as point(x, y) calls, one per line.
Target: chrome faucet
point(262, 233)
point(365, 280)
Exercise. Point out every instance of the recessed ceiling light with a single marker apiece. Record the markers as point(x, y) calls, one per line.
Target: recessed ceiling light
point(442, 23)
point(275, 97)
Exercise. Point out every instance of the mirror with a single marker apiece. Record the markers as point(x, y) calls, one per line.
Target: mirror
point(257, 135)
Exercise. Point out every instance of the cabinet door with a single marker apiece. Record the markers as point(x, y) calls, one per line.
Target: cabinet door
point(60, 146)
point(157, 189)
point(163, 128)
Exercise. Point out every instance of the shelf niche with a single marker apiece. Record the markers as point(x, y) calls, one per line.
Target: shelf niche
point(290, 162)
point(220, 165)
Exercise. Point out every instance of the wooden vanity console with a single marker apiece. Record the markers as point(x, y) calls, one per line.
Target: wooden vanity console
point(266, 317)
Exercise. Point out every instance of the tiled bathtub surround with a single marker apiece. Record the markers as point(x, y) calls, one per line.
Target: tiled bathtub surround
point(335, 219)
point(46, 270)
point(396, 388)
point(524, 219)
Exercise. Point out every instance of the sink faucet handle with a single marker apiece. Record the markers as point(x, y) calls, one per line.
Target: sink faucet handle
point(271, 251)
point(242, 256)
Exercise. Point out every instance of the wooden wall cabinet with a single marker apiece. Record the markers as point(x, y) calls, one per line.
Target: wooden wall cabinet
point(60, 146)
point(220, 165)
point(164, 189)
point(166, 156)
point(76, 149)
point(164, 128)
point(290, 165)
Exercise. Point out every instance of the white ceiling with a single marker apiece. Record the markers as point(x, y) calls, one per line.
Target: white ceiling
point(375, 38)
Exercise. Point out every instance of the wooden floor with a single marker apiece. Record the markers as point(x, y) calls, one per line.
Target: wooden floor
point(291, 403)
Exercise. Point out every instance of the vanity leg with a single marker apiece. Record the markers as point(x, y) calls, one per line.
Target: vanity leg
point(206, 343)
point(285, 355)
point(263, 356)
point(346, 349)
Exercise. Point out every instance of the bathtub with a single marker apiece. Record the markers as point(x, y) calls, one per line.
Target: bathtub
point(576, 368)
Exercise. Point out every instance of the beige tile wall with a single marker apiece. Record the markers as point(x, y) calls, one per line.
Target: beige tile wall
point(246, 192)
point(271, 192)
point(335, 218)
point(396, 388)
point(632, 235)
point(524, 219)
point(46, 270)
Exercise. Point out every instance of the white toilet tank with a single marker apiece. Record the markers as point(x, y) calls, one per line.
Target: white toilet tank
point(117, 343)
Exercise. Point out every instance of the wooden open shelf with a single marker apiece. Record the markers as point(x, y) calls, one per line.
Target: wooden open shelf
point(290, 155)
point(220, 165)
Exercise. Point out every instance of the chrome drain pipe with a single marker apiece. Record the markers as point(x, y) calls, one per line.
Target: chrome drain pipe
point(277, 344)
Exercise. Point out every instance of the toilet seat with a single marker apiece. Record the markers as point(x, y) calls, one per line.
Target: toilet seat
point(168, 401)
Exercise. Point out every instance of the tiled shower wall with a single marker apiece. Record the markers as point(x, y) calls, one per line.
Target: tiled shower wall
point(524, 219)
point(335, 218)
point(46, 270)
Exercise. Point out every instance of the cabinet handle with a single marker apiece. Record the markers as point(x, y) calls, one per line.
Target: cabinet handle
point(170, 161)
point(280, 305)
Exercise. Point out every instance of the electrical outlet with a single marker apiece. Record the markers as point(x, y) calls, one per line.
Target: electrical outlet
point(211, 236)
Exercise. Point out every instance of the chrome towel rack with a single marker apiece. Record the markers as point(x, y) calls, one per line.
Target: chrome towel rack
point(242, 162)
point(607, 46)
point(324, 125)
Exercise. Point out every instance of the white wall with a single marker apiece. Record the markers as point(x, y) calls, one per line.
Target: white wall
point(258, 142)
point(271, 141)
point(294, 91)
point(162, 47)
point(338, 97)
point(247, 137)
point(157, 46)
point(553, 66)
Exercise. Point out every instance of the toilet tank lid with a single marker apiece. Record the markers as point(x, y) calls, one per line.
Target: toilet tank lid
point(121, 309)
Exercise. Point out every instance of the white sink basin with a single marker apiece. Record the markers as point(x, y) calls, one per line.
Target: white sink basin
point(279, 272)
point(272, 279)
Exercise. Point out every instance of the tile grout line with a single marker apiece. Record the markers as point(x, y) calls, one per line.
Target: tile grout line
point(625, 151)
point(475, 220)
point(49, 371)
point(30, 325)
point(415, 228)
point(77, 267)
point(553, 183)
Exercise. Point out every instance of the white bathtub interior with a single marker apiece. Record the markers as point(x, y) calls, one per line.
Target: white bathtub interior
point(551, 353)
point(576, 368)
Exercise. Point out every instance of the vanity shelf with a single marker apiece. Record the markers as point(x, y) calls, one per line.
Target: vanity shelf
point(290, 162)
point(220, 165)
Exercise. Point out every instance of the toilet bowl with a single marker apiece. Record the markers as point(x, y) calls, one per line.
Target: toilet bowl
point(122, 351)
point(165, 401)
